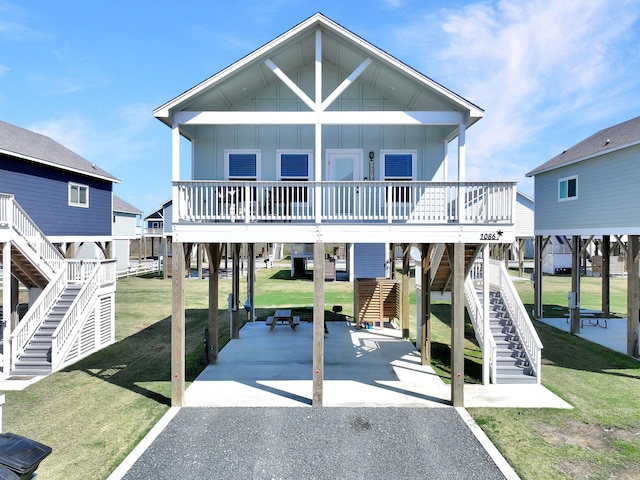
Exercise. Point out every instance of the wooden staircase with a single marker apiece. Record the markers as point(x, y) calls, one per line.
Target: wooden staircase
point(443, 279)
point(36, 359)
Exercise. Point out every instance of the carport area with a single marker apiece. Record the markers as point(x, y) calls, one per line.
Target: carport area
point(363, 368)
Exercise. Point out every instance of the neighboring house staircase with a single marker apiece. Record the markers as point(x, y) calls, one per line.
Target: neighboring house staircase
point(512, 347)
point(36, 359)
point(72, 316)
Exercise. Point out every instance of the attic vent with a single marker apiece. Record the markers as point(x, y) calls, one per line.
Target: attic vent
point(607, 142)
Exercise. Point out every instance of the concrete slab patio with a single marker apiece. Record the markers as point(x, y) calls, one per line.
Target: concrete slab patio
point(363, 368)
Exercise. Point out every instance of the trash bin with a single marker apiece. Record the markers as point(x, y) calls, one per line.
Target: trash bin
point(6, 474)
point(21, 455)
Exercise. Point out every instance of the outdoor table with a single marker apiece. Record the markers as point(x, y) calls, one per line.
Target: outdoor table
point(282, 316)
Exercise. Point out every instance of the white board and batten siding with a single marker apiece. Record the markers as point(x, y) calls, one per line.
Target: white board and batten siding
point(606, 188)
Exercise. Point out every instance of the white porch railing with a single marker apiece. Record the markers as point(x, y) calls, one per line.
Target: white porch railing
point(35, 316)
point(499, 278)
point(72, 321)
point(13, 216)
point(377, 201)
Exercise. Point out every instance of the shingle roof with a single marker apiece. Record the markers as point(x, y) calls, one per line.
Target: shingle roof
point(119, 205)
point(608, 140)
point(21, 143)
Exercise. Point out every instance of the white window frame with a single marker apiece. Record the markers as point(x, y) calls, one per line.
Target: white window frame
point(79, 186)
point(229, 152)
point(308, 153)
point(567, 179)
point(414, 162)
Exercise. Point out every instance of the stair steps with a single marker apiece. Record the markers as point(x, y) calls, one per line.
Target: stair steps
point(36, 358)
point(512, 364)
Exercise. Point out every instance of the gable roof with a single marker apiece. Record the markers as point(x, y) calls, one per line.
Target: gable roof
point(251, 69)
point(35, 147)
point(609, 140)
point(119, 205)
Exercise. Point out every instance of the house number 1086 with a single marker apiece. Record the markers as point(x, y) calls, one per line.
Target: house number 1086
point(488, 236)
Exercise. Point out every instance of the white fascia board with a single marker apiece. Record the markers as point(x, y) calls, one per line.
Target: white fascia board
point(587, 232)
point(601, 153)
point(324, 118)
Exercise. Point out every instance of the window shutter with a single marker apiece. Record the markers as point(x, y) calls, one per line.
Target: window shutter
point(242, 165)
point(398, 165)
point(294, 165)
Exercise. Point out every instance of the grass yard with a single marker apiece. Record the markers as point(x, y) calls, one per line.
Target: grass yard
point(94, 412)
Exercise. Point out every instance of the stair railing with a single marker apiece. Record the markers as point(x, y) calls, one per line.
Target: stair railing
point(529, 338)
point(13, 216)
point(37, 313)
point(436, 258)
point(476, 313)
point(61, 340)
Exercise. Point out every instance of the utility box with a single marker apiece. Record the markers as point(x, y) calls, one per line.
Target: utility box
point(21, 455)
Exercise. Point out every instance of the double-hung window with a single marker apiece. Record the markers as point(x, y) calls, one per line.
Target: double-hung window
point(568, 188)
point(399, 165)
point(78, 195)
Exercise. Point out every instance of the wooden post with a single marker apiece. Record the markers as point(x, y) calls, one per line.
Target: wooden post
point(574, 313)
point(456, 252)
point(486, 323)
point(214, 253)
point(521, 247)
point(6, 300)
point(318, 324)
point(425, 335)
point(392, 261)
point(537, 277)
point(633, 294)
point(235, 314)
point(178, 368)
point(404, 290)
point(165, 256)
point(251, 277)
point(605, 273)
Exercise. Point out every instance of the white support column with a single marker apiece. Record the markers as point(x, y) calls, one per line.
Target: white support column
point(318, 128)
point(175, 169)
point(462, 166)
point(486, 327)
point(6, 311)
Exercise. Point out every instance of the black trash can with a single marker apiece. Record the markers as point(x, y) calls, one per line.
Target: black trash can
point(21, 455)
point(6, 474)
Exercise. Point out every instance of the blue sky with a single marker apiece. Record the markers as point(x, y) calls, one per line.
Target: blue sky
point(548, 73)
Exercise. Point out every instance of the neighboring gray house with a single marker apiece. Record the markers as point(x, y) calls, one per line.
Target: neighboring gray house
point(125, 221)
point(589, 192)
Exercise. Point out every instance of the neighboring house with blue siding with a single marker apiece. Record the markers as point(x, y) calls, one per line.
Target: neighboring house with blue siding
point(68, 197)
point(56, 238)
point(588, 193)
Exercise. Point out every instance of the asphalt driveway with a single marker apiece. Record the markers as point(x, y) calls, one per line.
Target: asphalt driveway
point(315, 443)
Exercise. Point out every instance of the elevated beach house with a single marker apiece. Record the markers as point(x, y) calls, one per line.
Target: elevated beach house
point(587, 193)
point(55, 209)
point(320, 137)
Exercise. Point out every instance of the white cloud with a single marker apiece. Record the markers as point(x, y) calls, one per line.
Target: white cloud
point(532, 66)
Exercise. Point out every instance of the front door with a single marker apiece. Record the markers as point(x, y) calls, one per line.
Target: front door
point(343, 165)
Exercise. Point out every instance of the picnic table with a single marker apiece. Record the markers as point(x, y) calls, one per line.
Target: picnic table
point(282, 316)
point(593, 318)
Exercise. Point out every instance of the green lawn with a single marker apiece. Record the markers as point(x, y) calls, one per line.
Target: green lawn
point(94, 412)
